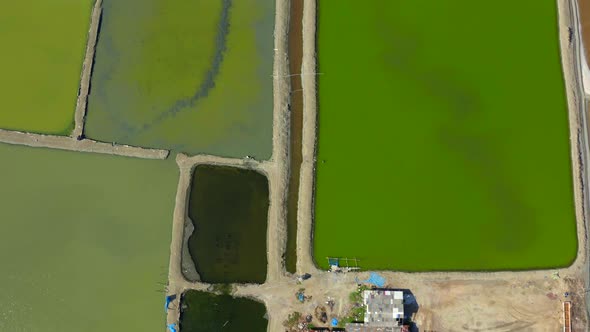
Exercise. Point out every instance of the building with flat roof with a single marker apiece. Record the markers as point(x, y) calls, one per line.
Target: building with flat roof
point(384, 312)
point(384, 307)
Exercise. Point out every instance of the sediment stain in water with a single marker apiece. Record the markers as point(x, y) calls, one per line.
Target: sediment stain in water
point(205, 312)
point(84, 240)
point(463, 170)
point(43, 46)
point(296, 107)
point(191, 76)
point(229, 209)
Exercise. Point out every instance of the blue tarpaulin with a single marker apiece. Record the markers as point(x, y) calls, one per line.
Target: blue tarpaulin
point(375, 279)
point(169, 299)
point(172, 327)
point(334, 322)
point(301, 297)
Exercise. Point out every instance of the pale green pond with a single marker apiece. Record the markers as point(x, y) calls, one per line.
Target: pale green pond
point(84, 241)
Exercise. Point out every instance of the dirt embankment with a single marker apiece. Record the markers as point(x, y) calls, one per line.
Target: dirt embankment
point(85, 145)
point(84, 88)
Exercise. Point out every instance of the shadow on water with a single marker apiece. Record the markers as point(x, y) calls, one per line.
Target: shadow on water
point(229, 210)
point(205, 312)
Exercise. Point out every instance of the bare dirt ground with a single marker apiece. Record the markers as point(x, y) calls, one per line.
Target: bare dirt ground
point(446, 302)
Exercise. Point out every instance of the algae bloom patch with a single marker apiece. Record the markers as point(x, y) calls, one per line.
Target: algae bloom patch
point(443, 136)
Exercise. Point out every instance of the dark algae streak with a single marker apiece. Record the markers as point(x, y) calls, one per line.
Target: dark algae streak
point(208, 82)
point(171, 75)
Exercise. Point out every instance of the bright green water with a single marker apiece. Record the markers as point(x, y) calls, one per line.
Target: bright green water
point(455, 115)
point(192, 76)
point(84, 241)
point(212, 313)
point(43, 45)
point(229, 209)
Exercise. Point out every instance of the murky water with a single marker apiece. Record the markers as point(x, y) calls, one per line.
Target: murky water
point(229, 209)
point(204, 312)
point(84, 241)
point(192, 76)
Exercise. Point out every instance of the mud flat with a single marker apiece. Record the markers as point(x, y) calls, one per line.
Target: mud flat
point(84, 238)
point(43, 45)
point(171, 75)
point(459, 153)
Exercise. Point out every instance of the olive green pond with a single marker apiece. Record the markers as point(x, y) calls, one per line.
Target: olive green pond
point(443, 136)
point(191, 76)
point(43, 46)
point(84, 241)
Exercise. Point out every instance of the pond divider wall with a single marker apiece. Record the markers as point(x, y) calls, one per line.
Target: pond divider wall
point(305, 209)
point(85, 145)
point(84, 88)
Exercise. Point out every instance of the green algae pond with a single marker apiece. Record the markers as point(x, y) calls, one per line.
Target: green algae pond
point(43, 46)
point(205, 312)
point(190, 76)
point(443, 136)
point(229, 209)
point(84, 241)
